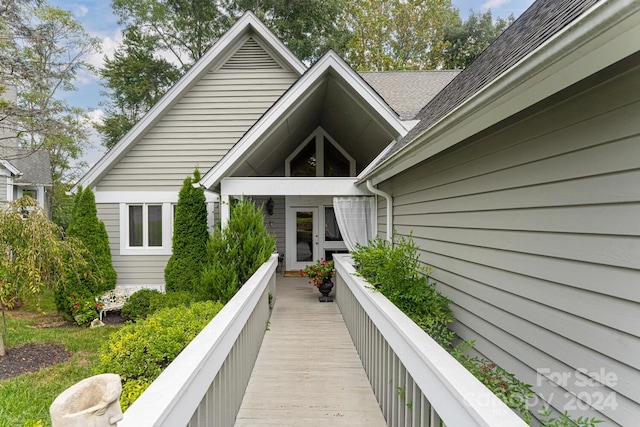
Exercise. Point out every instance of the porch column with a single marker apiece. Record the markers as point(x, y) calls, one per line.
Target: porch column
point(225, 211)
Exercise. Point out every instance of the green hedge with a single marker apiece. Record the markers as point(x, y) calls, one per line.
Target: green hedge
point(139, 352)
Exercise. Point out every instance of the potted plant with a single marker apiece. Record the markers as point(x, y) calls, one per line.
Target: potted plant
point(320, 276)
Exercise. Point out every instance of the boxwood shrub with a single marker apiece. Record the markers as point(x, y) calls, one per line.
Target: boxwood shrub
point(140, 351)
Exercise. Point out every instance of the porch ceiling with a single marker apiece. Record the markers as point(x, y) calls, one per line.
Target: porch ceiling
point(339, 110)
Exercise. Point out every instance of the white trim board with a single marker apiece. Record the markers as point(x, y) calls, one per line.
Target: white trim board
point(145, 196)
point(291, 187)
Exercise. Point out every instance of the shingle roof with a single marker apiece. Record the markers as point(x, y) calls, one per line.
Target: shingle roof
point(408, 91)
point(34, 165)
point(536, 25)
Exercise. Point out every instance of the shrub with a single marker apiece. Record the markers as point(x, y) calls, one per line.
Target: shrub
point(131, 390)
point(140, 351)
point(138, 305)
point(147, 301)
point(190, 236)
point(87, 228)
point(396, 272)
point(235, 253)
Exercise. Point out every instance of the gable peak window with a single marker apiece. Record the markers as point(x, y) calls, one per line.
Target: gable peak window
point(320, 156)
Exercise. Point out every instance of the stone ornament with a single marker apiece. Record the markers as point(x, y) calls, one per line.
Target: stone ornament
point(92, 402)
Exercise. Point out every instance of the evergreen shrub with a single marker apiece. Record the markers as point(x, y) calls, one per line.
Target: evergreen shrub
point(236, 252)
point(88, 229)
point(190, 236)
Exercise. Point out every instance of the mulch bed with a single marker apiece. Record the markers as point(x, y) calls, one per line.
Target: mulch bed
point(33, 357)
point(30, 358)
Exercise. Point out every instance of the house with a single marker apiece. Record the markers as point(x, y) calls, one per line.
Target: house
point(518, 181)
point(23, 172)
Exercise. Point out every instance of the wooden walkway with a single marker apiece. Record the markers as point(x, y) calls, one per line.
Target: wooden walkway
point(308, 372)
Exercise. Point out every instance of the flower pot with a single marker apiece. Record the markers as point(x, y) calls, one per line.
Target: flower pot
point(325, 288)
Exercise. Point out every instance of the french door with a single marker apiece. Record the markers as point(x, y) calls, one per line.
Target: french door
point(303, 238)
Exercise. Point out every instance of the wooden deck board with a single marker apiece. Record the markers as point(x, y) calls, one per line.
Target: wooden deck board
point(308, 371)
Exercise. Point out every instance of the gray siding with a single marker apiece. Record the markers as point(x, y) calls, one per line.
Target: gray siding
point(204, 124)
point(3, 188)
point(131, 269)
point(275, 223)
point(534, 233)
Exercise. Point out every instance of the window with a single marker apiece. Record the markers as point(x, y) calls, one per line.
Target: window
point(320, 156)
point(145, 225)
point(145, 228)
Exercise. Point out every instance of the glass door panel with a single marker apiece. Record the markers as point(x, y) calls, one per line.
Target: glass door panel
point(304, 236)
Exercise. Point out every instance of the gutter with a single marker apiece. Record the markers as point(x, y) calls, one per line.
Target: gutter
point(387, 196)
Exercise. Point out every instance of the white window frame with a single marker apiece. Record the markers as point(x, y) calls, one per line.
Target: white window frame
point(322, 137)
point(145, 249)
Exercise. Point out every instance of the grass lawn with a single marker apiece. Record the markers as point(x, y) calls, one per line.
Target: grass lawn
point(25, 399)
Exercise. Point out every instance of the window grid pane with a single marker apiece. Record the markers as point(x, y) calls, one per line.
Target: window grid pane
point(135, 225)
point(155, 225)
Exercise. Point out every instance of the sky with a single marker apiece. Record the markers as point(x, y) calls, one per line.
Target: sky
point(99, 21)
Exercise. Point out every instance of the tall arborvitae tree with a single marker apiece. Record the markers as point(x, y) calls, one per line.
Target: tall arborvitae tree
point(190, 236)
point(86, 227)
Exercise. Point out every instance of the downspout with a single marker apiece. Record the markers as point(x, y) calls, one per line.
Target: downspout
point(387, 196)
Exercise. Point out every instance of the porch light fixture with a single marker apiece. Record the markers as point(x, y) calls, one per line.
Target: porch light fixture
point(269, 206)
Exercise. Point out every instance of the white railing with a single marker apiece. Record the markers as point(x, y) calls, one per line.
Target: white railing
point(416, 382)
point(205, 384)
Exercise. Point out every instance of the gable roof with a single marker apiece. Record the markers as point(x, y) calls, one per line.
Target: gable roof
point(329, 67)
point(552, 45)
point(247, 25)
point(407, 92)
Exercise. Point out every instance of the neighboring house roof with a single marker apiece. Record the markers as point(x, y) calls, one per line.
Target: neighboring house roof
point(552, 45)
point(407, 92)
point(34, 167)
point(248, 24)
point(11, 168)
point(305, 101)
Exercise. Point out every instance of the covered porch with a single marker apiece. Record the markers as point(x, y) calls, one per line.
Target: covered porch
point(301, 213)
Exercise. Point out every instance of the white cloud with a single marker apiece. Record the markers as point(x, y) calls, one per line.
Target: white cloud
point(493, 4)
point(96, 59)
point(80, 10)
point(95, 116)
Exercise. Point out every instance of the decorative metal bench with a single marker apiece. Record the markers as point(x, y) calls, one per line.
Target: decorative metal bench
point(115, 299)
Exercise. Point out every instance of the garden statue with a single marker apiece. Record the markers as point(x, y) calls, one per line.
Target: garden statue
point(93, 402)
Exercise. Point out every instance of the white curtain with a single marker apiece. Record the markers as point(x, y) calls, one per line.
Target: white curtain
point(356, 219)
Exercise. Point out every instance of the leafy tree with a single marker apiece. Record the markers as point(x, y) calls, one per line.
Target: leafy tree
point(466, 40)
point(397, 34)
point(43, 49)
point(33, 255)
point(308, 27)
point(235, 252)
point(190, 236)
point(86, 227)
